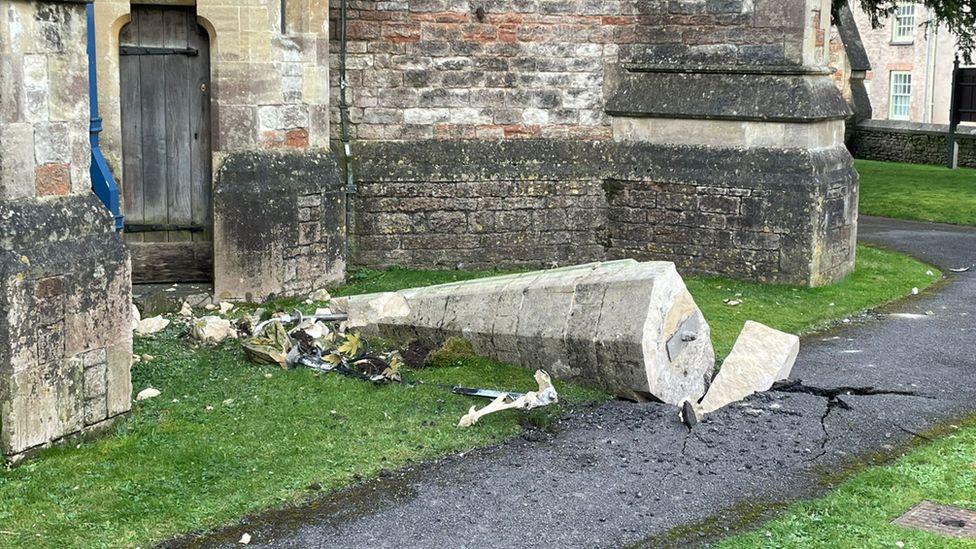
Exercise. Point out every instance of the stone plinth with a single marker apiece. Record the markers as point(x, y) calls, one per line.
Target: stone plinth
point(630, 328)
point(279, 224)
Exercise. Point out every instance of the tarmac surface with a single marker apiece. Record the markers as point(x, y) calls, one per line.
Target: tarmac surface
point(623, 475)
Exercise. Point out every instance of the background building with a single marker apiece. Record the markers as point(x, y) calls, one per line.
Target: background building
point(911, 60)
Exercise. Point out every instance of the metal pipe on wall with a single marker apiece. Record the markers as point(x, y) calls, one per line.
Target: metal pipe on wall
point(344, 118)
point(102, 182)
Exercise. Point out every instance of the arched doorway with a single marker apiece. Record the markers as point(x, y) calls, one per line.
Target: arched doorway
point(164, 66)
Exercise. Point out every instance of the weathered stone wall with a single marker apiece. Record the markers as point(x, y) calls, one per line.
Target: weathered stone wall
point(795, 221)
point(511, 203)
point(281, 224)
point(65, 334)
point(543, 202)
point(269, 95)
point(911, 142)
point(423, 69)
point(541, 132)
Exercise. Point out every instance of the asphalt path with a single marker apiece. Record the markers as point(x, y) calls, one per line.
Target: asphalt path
point(622, 474)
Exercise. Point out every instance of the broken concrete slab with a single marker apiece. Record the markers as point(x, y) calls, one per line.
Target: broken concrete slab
point(630, 328)
point(760, 357)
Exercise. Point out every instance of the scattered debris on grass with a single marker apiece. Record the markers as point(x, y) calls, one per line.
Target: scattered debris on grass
point(314, 343)
point(186, 310)
point(269, 346)
point(226, 307)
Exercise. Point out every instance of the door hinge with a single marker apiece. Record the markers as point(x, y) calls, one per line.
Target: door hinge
point(141, 50)
point(143, 228)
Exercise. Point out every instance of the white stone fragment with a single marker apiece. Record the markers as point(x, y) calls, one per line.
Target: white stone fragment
point(185, 310)
point(148, 393)
point(760, 357)
point(212, 329)
point(226, 307)
point(151, 325)
point(136, 317)
point(320, 295)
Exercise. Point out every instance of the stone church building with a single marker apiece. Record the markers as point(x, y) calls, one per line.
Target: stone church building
point(481, 133)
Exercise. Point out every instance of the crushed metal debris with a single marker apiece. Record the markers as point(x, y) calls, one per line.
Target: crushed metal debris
point(320, 342)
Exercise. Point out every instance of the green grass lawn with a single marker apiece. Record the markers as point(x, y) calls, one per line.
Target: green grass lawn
point(228, 437)
point(923, 193)
point(860, 511)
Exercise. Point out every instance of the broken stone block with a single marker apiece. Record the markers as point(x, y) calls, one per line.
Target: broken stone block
point(212, 329)
point(627, 327)
point(760, 357)
point(363, 310)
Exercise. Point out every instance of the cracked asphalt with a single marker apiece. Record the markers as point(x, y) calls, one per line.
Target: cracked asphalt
point(623, 474)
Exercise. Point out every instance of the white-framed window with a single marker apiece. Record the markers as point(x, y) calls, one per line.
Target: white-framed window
point(903, 27)
point(900, 96)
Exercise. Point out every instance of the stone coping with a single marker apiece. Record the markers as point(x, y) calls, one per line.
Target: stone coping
point(899, 126)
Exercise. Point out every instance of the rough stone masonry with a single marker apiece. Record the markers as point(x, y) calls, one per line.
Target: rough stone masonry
point(552, 131)
point(65, 335)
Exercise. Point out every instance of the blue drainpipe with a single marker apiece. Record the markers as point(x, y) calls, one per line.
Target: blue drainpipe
point(103, 184)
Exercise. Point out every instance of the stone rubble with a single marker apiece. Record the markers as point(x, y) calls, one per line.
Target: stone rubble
point(136, 317)
point(760, 357)
point(148, 393)
point(320, 295)
point(212, 329)
point(148, 326)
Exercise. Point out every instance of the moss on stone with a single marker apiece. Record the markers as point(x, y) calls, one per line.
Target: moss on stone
point(453, 351)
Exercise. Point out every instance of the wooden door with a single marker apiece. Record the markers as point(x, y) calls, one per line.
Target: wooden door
point(164, 64)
